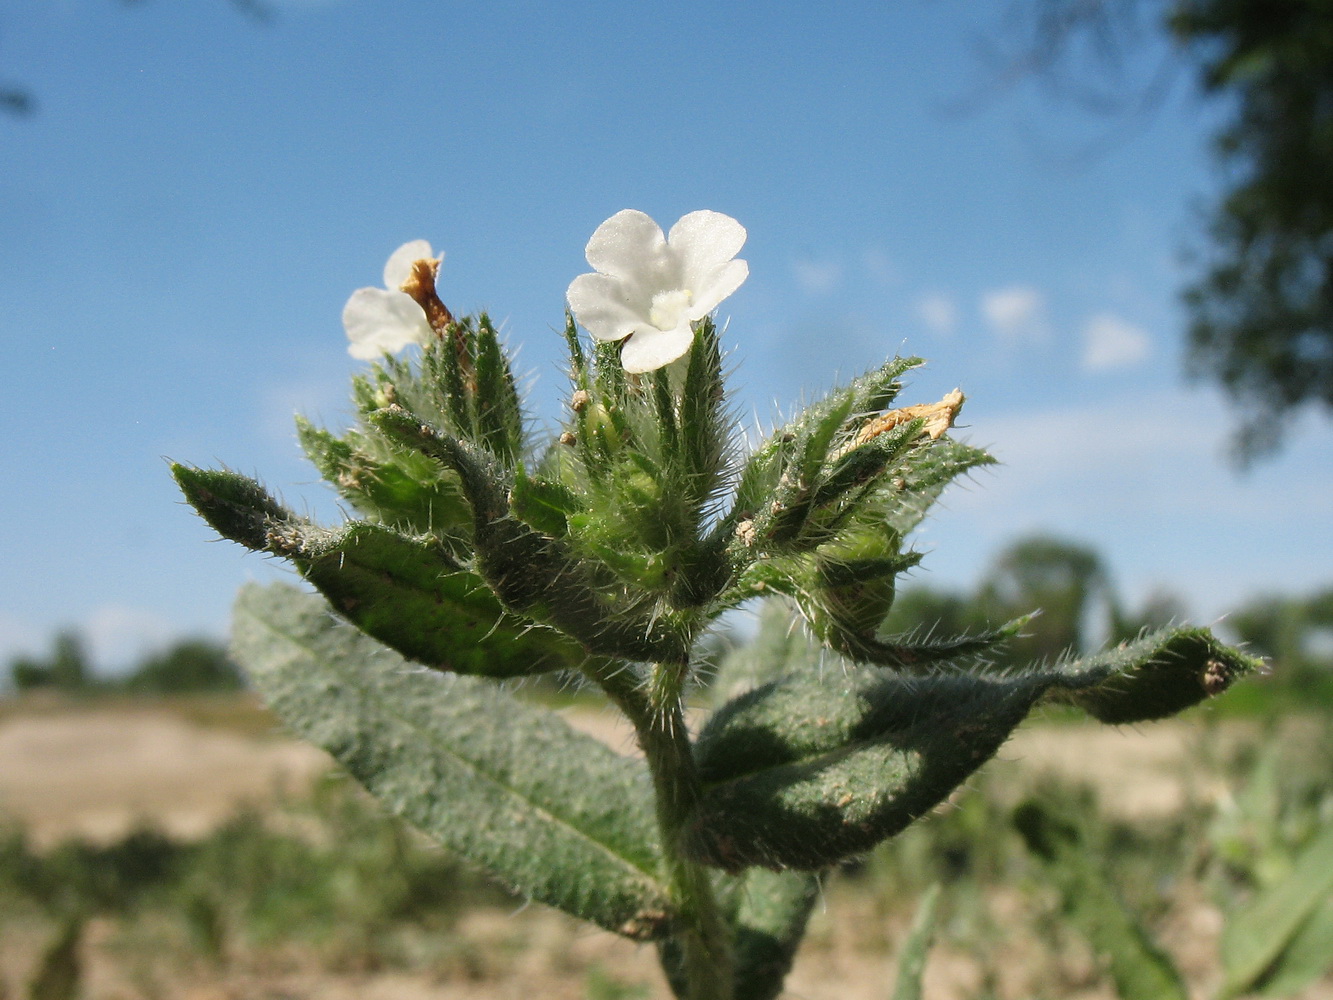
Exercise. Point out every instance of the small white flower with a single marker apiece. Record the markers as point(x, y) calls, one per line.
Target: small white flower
point(649, 288)
point(384, 320)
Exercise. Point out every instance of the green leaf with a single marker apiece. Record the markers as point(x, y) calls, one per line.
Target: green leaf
point(406, 592)
point(806, 771)
point(769, 921)
point(844, 620)
point(59, 973)
point(553, 813)
point(767, 913)
point(1140, 969)
point(235, 506)
point(1257, 937)
point(1305, 959)
point(809, 769)
point(912, 957)
point(1160, 674)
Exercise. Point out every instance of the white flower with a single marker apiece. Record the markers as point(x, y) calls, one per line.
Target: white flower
point(384, 320)
point(648, 288)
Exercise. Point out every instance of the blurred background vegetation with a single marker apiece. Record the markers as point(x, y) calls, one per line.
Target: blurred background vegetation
point(1071, 584)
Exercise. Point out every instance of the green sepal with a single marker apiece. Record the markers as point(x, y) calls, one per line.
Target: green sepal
point(705, 428)
point(850, 474)
point(405, 591)
point(464, 385)
point(777, 485)
point(533, 574)
point(543, 504)
point(809, 769)
point(392, 485)
point(648, 454)
point(555, 814)
point(921, 480)
point(497, 412)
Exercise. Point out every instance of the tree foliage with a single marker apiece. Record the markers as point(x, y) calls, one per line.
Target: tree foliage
point(1261, 300)
point(188, 665)
point(1262, 313)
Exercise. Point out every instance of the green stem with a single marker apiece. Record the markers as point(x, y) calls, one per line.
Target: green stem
point(701, 930)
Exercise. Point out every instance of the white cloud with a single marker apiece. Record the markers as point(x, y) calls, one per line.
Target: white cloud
point(939, 312)
point(1016, 314)
point(881, 267)
point(1145, 482)
point(816, 277)
point(1112, 342)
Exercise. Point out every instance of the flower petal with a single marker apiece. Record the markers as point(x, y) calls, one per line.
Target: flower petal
point(704, 241)
point(399, 266)
point(717, 286)
point(625, 244)
point(651, 348)
point(380, 322)
point(601, 305)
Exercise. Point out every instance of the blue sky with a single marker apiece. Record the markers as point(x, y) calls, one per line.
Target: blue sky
point(198, 193)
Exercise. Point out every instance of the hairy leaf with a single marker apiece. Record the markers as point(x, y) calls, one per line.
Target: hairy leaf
point(406, 592)
point(809, 769)
point(554, 814)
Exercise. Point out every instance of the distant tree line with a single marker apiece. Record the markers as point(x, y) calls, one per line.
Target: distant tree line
point(190, 665)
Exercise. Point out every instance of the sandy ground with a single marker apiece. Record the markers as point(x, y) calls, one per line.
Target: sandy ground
point(97, 773)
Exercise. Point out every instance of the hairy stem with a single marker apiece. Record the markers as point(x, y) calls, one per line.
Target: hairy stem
point(701, 931)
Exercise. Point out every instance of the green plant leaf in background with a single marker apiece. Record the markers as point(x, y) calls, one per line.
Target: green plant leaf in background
point(59, 974)
point(1140, 970)
point(554, 814)
point(1284, 938)
point(912, 955)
